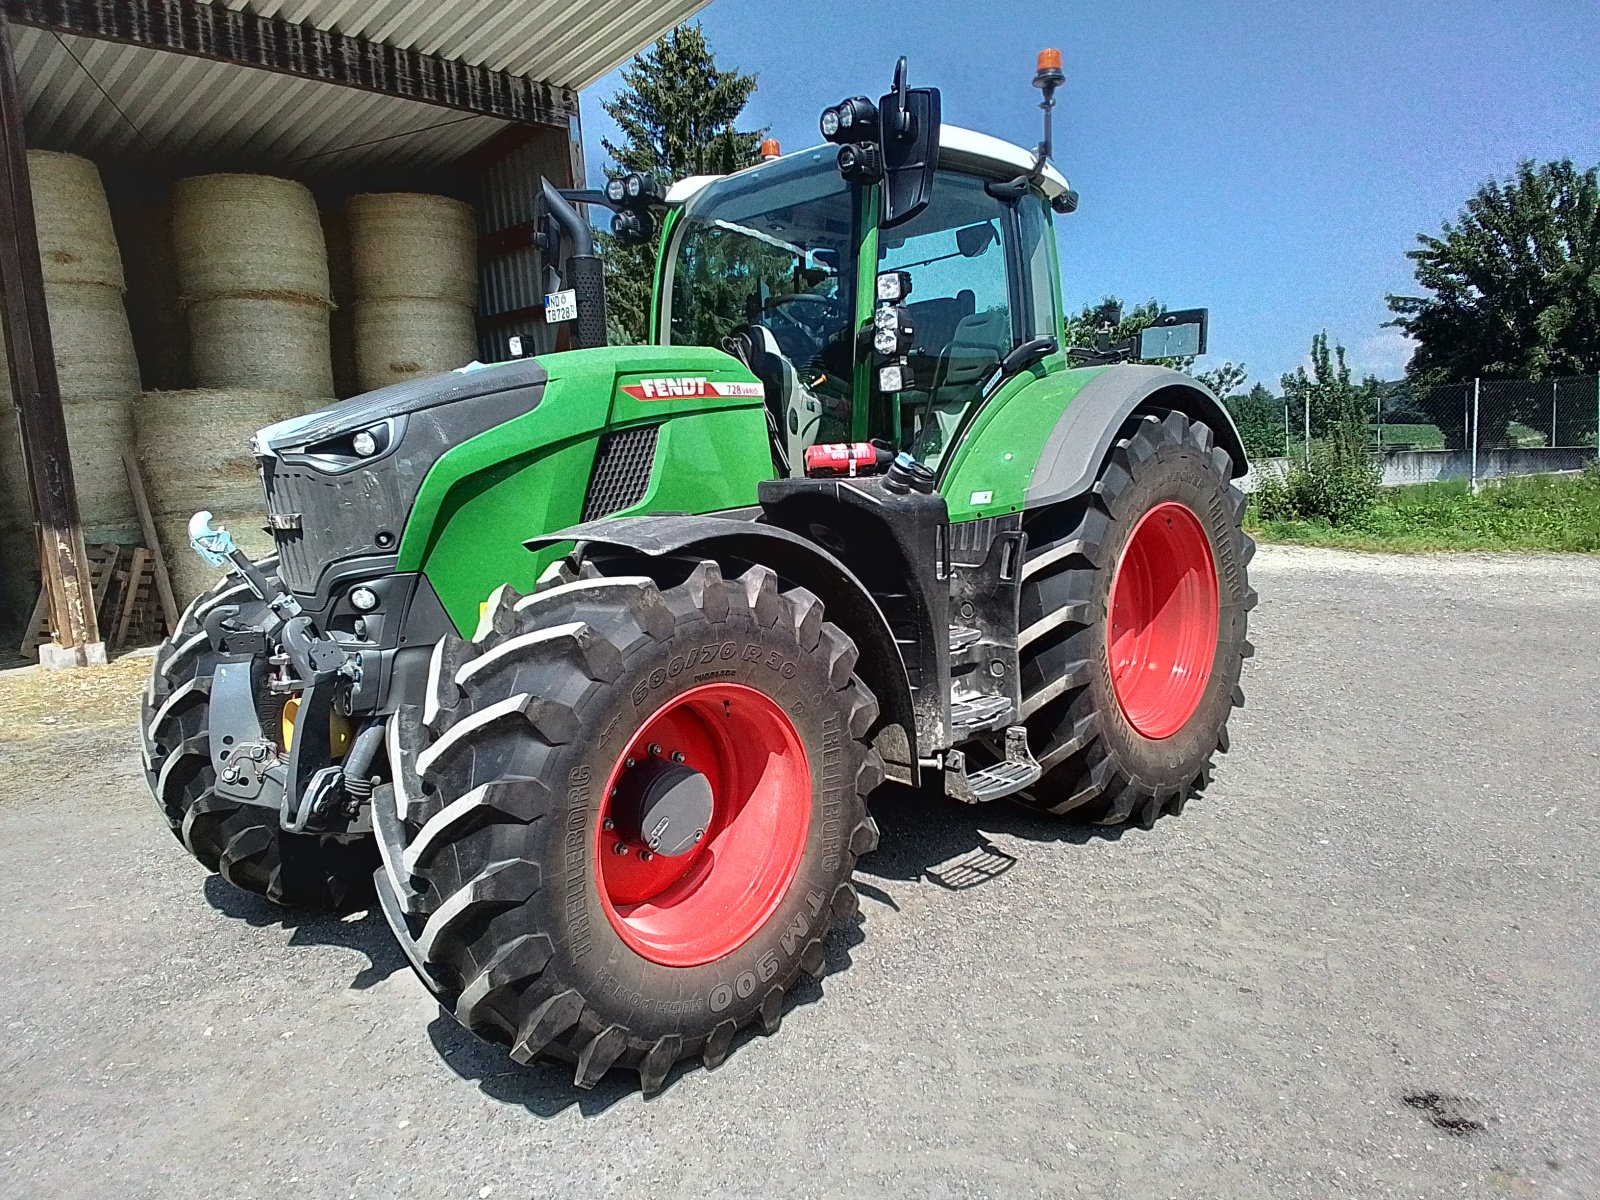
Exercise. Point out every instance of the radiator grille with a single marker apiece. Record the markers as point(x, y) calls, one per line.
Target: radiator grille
point(621, 471)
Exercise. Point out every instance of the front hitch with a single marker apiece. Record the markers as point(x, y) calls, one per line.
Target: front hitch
point(309, 789)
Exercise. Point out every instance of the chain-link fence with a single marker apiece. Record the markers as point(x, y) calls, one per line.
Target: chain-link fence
point(1484, 429)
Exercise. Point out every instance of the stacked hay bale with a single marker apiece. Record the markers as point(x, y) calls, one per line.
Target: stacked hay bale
point(254, 271)
point(194, 447)
point(254, 274)
point(95, 361)
point(414, 264)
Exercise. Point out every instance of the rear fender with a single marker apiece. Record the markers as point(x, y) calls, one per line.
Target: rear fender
point(799, 563)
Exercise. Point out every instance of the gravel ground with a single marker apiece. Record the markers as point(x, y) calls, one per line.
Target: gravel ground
point(1367, 964)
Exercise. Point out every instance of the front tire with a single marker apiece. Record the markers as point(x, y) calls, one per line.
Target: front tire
point(517, 868)
point(242, 842)
point(1135, 602)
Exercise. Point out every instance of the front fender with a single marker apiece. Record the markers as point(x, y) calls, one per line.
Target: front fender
point(798, 562)
point(1043, 438)
point(1069, 461)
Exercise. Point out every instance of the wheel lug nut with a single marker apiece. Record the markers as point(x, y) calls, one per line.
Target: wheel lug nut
point(645, 856)
point(677, 756)
point(608, 823)
point(698, 834)
point(655, 750)
point(628, 762)
point(620, 848)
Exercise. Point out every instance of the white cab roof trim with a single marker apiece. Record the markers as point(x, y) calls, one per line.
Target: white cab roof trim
point(968, 148)
point(686, 189)
point(957, 148)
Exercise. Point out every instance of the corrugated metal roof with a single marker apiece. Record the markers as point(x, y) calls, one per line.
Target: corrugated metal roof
point(103, 98)
point(100, 97)
point(567, 42)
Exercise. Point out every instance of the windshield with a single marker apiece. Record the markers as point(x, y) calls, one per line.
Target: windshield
point(770, 247)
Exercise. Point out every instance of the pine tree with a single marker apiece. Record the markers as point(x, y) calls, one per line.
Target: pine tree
point(677, 111)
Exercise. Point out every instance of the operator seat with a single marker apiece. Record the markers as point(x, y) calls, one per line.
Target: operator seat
point(980, 341)
point(794, 411)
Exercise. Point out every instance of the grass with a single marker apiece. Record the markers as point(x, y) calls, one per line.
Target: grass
point(1412, 437)
point(1537, 513)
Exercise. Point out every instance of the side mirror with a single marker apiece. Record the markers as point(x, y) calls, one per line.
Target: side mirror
point(1179, 334)
point(910, 121)
point(973, 240)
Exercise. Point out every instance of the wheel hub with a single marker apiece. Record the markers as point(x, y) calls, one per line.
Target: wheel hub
point(662, 806)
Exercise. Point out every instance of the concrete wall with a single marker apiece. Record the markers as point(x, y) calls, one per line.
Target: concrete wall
point(1402, 467)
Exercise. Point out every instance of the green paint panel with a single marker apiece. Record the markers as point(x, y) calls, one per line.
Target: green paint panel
point(994, 462)
point(528, 477)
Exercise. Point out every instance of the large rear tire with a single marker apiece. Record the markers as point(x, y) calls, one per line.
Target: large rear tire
point(1134, 612)
point(540, 904)
point(242, 842)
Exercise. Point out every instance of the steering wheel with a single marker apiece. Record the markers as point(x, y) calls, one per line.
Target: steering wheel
point(815, 316)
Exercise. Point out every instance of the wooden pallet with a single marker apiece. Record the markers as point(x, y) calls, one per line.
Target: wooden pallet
point(126, 600)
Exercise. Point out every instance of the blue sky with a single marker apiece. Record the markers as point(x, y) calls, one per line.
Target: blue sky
point(1271, 161)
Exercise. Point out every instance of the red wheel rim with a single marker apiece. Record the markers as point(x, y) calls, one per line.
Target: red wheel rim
point(1162, 637)
point(704, 904)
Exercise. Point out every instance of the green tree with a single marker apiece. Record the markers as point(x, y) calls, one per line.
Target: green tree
point(1224, 381)
point(1259, 417)
point(678, 113)
point(1514, 282)
point(1337, 481)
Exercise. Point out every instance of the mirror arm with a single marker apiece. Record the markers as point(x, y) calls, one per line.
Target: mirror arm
point(1029, 354)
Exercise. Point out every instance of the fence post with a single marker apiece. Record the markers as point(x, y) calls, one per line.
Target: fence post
point(1380, 422)
point(1552, 441)
point(1474, 482)
point(1306, 449)
point(1286, 427)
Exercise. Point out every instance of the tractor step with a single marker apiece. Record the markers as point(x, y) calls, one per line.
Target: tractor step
point(961, 636)
point(978, 714)
point(1014, 773)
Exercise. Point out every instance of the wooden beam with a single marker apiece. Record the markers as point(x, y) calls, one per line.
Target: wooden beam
point(152, 539)
point(37, 392)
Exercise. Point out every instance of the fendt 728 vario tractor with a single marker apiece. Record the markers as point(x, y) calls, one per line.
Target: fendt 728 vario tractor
point(591, 660)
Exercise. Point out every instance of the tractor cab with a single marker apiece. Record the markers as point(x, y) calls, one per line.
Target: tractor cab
point(779, 264)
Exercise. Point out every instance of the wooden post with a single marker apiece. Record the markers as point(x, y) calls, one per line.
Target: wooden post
point(37, 392)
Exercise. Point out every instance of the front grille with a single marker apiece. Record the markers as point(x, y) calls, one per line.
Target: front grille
point(340, 516)
point(622, 469)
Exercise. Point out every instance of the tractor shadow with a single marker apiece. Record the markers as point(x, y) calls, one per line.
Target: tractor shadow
point(357, 925)
point(928, 837)
point(546, 1090)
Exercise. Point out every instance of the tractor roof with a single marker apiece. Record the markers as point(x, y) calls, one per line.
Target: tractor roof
point(961, 148)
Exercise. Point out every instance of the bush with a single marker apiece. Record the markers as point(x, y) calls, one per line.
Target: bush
point(1339, 485)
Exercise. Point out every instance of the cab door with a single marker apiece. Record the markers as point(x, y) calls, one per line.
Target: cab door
point(982, 275)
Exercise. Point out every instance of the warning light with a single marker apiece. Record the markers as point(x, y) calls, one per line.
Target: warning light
point(1049, 74)
point(769, 149)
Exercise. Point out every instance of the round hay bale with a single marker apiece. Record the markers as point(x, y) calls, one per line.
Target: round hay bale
point(261, 343)
point(408, 245)
point(398, 340)
point(98, 431)
point(248, 235)
point(195, 448)
point(190, 575)
point(76, 242)
point(95, 359)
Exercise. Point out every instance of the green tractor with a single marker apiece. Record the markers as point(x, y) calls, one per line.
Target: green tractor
point(591, 660)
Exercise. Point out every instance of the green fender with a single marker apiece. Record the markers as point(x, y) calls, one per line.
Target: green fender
point(1041, 439)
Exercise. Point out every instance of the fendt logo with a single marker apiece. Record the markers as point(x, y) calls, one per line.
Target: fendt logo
point(689, 387)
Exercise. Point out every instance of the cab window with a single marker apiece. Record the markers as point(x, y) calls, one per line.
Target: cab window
point(961, 307)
